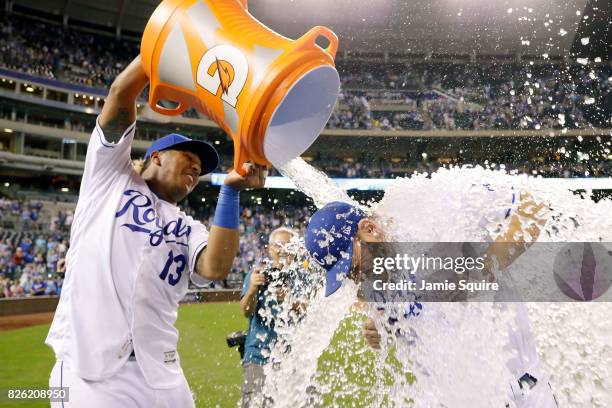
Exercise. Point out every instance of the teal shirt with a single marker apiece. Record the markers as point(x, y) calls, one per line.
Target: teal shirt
point(261, 329)
point(261, 334)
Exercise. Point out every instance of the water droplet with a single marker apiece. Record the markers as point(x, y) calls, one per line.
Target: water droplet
point(589, 100)
point(584, 40)
point(561, 119)
point(562, 32)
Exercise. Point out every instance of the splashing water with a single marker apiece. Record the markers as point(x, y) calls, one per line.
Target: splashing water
point(456, 353)
point(290, 376)
point(314, 183)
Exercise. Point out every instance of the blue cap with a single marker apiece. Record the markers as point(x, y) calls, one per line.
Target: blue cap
point(329, 240)
point(207, 154)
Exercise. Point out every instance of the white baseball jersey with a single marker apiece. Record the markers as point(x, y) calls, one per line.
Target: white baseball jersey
point(126, 271)
point(494, 205)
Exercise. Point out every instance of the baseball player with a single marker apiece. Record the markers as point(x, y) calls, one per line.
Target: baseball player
point(132, 253)
point(333, 240)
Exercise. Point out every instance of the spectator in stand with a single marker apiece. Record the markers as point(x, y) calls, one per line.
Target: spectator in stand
point(54, 224)
point(39, 259)
point(17, 259)
point(52, 258)
point(25, 216)
point(435, 95)
point(40, 244)
point(4, 265)
point(50, 287)
point(14, 290)
point(25, 280)
point(38, 287)
point(59, 282)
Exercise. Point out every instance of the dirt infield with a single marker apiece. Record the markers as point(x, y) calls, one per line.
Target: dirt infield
point(26, 320)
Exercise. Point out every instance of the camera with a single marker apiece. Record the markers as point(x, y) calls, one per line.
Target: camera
point(276, 277)
point(237, 339)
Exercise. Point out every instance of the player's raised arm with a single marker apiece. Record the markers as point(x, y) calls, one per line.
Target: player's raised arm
point(248, 301)
point(119, 109)
point(215, 262)
point(523, 229)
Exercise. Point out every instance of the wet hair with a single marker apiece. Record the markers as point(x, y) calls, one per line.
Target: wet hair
point(290, 231)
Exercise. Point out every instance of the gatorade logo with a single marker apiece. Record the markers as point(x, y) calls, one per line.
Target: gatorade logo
point(223, 69)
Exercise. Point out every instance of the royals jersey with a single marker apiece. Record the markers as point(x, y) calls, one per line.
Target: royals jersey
point(491, 207)
point(127, 268)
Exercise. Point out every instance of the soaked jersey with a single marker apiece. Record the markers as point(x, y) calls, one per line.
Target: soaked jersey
point(411, 220)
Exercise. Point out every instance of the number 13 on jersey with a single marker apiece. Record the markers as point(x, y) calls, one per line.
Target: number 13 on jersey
point(175, 277)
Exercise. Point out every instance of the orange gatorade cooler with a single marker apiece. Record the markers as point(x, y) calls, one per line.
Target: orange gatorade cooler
point(272, 95)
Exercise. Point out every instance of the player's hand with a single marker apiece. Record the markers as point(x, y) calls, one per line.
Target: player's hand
point(255, 176)
point(257, 279)
point(370, 334)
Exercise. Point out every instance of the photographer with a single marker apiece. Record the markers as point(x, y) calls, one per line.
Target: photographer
point(262, 295)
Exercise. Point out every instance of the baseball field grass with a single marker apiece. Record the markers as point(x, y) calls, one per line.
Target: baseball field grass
point(212, 369)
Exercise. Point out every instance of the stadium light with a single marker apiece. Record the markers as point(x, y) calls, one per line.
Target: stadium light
point(64, 189)
point(7, 130)
point(30, 89)
point(7, 184)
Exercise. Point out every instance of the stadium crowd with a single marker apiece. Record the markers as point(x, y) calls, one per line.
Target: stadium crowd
point(256, 224)
point(553, 99)
point(63, 53)
point(32, 252)
point(33, 246)
point(383, 96)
